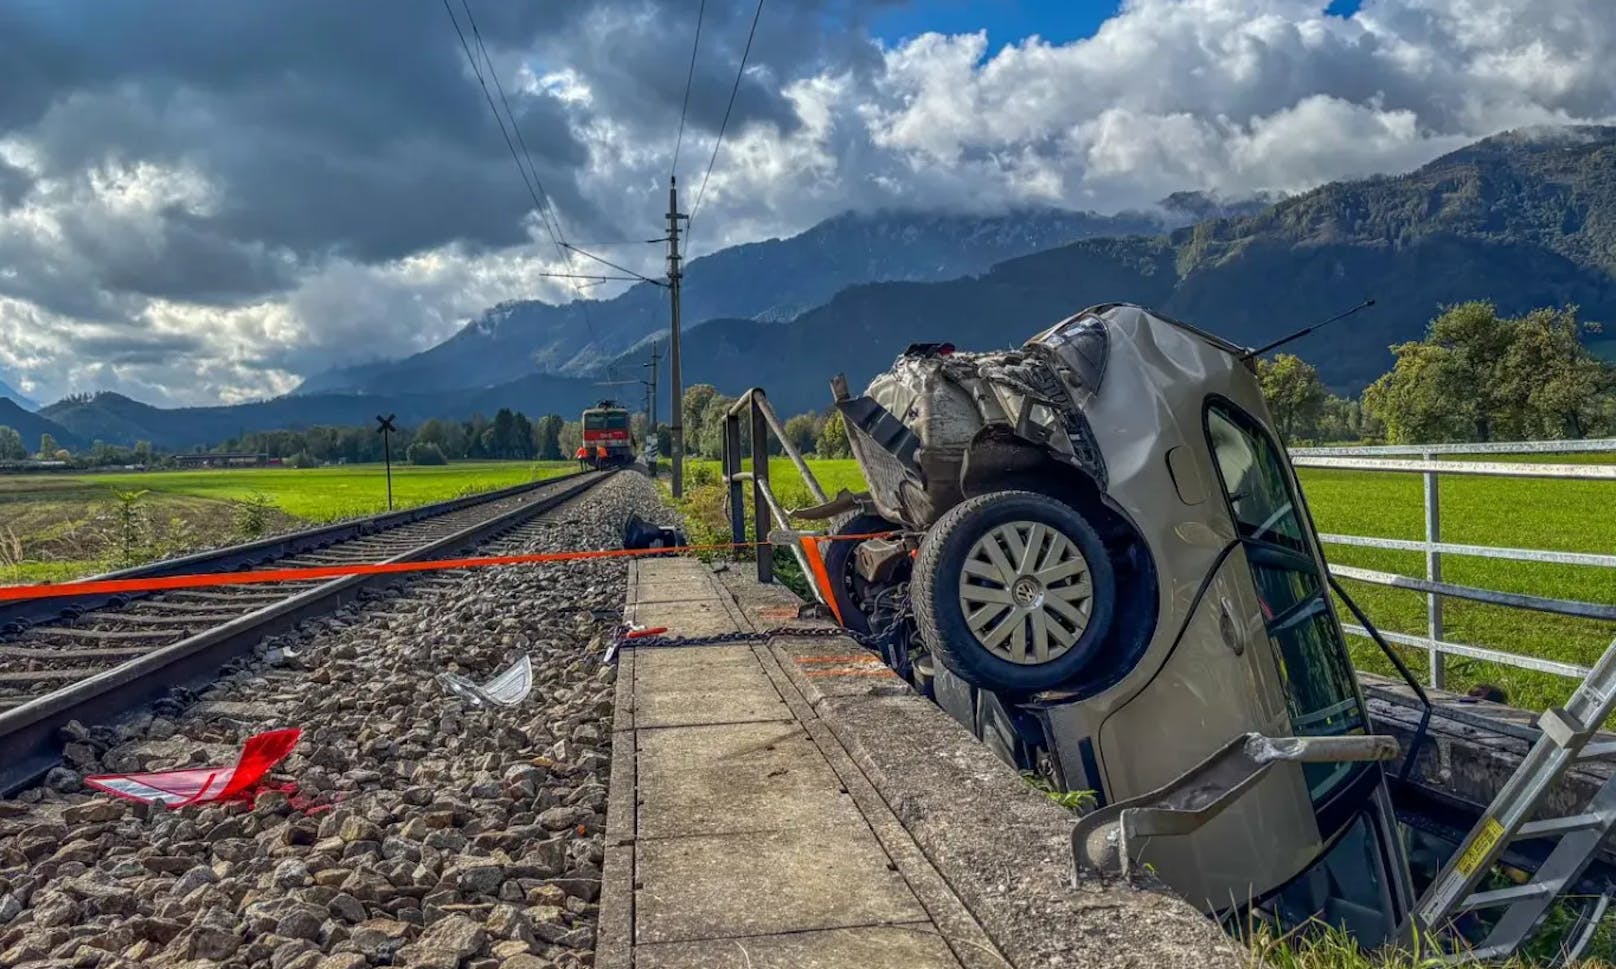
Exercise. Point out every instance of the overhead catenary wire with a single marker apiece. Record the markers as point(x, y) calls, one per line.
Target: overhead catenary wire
point(549, 213)
point(690, 76)
point(723, 125)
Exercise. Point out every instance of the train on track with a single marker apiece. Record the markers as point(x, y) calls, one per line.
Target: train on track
point(607, 440)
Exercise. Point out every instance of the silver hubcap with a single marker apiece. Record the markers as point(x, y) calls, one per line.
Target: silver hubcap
point(1026, 592)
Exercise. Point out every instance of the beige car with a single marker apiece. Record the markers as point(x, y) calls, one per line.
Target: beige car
point(1109, 573)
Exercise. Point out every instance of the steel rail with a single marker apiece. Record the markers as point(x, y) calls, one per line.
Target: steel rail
point(18, 615)
point(30, 734)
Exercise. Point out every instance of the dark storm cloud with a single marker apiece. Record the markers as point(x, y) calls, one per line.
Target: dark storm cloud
point(327, 128)
point(354, 129)
point(135, 347)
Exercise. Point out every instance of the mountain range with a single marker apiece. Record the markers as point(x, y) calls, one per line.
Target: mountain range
point(769, 282)
point(32, 426)
point(11, 393)
point(1524, 218)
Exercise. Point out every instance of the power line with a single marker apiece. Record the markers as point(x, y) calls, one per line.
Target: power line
point(543, 199)
point(608, 262)
point(725, 123)
point(695, 45)
point(470, 59)
point(556, 235)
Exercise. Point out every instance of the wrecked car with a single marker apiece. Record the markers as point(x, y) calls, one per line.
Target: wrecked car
point(1093, 551)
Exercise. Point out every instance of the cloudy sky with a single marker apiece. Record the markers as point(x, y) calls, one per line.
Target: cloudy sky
point(202, 200)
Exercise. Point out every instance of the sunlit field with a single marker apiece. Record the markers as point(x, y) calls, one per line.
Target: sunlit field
point(59, 526)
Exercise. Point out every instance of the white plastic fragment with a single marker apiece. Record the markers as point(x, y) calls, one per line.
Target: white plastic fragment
point(507, 689)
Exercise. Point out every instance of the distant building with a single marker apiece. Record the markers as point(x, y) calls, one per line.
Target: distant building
point(222, 460)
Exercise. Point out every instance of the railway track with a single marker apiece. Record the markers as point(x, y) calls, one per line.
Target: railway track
point(97, 659)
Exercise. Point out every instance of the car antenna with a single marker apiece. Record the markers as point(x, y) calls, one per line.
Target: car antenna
point(1305, 331)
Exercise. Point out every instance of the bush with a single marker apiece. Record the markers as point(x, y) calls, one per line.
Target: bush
point(700, 475)
point(426, 453)
point(301, 459)
point(252, 515)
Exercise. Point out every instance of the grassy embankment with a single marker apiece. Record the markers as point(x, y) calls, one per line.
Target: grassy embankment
point(58, 526)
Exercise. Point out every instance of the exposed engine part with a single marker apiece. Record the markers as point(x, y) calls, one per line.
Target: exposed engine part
point(879, 561)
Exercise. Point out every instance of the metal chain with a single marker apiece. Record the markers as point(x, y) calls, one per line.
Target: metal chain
point(620, 643)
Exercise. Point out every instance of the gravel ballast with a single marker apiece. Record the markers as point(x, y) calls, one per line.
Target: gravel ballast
point(422, 832)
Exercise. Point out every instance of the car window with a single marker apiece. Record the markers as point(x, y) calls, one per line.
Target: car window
point(1345, 889)
point(1319, 690)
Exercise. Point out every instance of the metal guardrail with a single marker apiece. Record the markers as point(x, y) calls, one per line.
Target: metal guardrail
point(1422, 459)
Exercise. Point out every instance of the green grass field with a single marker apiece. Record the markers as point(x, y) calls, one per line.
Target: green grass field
point(325, 494)
point(1521, 513)
point(60, 526)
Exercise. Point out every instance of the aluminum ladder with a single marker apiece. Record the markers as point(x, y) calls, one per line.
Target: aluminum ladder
point(1511, 817)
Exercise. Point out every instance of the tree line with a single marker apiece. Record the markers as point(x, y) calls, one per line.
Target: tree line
point(1476, 376)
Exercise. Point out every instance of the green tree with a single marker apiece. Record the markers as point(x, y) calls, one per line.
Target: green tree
point(570, 437)
point(547, 437)
point(697, 412)
point(522, 445)
point(803, 431)
point(500, 440)
point(47, 447)
point(1295, 394)
point(425, 453)
point(1552, 385)
point(11, 446)
point(1477, 376)
point(833, 438)
point(143, 452)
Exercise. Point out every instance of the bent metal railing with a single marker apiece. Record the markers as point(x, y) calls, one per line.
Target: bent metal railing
point(754, 404)
point(1423, 459)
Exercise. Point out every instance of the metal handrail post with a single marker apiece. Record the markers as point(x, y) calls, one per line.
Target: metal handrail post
point(732, 473)
point(760, 484)
point(758, 398)
point(1433, 573)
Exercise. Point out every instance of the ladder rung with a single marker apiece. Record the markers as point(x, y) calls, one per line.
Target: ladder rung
point(1604, 750)
point(1515, 893)
point(1565, 825)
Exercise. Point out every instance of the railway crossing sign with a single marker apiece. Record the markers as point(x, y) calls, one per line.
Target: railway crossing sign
point(386, 430)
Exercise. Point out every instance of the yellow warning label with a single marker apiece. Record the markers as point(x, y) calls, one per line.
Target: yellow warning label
point(1480, 848)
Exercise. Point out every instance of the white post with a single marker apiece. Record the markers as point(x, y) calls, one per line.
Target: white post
point(1433, 572)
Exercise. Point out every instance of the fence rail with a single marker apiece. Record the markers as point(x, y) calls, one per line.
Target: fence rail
point(1422, 459)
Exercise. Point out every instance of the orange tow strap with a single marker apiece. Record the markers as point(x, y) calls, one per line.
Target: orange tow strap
point(17, 593)
point(821, 576)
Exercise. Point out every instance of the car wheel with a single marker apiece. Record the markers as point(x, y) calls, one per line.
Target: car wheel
point(1014, 591)
point(839, 569)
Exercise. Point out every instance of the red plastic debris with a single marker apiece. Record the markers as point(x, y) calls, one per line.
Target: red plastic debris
point(200, 785)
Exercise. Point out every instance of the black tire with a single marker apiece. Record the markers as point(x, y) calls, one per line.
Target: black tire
point(937, 586)
point(839, 567)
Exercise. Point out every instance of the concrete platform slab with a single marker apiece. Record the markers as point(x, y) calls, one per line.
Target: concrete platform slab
point(739, 675)
point(789, 786)
point(701, 617)
point(716, 887)
point(887, 947)
point(677, 590)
